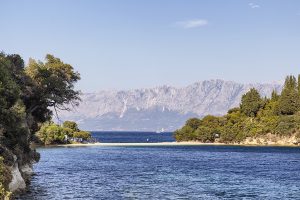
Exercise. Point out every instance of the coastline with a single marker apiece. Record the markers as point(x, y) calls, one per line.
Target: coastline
point(187, 143)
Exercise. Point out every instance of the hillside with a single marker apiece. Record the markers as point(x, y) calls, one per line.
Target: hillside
point(257, 120)
point(164, 107)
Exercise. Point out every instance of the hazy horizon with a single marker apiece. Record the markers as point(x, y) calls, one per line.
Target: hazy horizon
point(133, 44)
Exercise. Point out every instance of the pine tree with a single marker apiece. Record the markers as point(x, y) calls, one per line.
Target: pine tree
point(251, 103)
point(289, 99)
point(274, 96)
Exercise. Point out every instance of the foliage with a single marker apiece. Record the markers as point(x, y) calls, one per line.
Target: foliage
point(186, 133)
point(82, 134)
point(27, 94)
point(71, 125)
point(289, 99)
point(51, 133)
point(204, 134)
point(256, 116)
point(4, 194)
point(54, 80)
point(51, 84)
point(251, 103)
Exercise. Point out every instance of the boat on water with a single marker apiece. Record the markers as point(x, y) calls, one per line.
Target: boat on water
point(160, 131)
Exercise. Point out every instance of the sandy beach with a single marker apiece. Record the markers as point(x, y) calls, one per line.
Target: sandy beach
point(169, 144)
point(144, 144)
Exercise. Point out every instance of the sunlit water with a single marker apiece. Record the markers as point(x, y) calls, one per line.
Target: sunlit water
point(170, 172)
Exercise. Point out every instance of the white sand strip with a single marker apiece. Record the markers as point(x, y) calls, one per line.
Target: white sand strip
point(144, 144)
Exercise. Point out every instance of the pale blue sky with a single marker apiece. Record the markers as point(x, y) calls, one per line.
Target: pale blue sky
point(134, 43)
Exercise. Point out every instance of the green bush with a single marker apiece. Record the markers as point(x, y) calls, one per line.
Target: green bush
point(204, 134)
point(71, 125)
point(186, 133)
point(51, 133)
point(82, 134)
point(286, 125)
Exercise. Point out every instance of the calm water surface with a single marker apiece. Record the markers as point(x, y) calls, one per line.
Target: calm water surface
point(177, 172)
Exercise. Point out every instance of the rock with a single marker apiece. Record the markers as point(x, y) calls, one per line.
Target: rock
point(17, 183)
point(27, 169)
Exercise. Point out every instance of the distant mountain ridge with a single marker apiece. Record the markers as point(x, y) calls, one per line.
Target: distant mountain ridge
point(157, 108)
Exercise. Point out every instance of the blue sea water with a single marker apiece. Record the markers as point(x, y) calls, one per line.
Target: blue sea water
point(134, 137)
point(165, 172)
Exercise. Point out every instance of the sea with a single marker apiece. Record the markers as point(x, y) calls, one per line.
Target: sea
point(164, 172)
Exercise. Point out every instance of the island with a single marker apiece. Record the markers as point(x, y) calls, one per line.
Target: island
point(257, 121)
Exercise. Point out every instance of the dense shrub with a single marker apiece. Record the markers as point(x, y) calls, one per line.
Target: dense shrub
point(82, 134)
point(51, 133)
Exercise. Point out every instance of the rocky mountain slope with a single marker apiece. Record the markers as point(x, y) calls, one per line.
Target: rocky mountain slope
point(160, 108)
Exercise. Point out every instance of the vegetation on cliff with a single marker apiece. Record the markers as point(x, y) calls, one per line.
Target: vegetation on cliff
point(4, 194)
point(255, 117)
point(27, 94)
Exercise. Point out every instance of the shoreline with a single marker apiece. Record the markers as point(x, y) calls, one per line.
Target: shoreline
point(188, 143)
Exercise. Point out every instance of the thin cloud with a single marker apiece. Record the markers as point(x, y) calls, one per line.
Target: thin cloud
point(253, 6)
point(195, 23)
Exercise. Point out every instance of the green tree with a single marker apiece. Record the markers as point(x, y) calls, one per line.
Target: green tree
point(289, 100)
point(52, 85)
point(251, 103)
point(82, 134)
point(26, 95)
point(194, 123)
point(274, 96)
point(71, 125)
point(51, 133)
point(204, 134)
point(186, 133)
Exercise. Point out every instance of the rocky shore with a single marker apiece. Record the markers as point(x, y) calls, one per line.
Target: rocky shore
point(17, 169)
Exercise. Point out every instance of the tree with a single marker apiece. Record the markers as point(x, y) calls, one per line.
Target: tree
point(51, 133)
point(26, 95)
point(274, 96)
point(82, 134)
point(251, 103)
point(210, 121)
point(204, 134)
point(71, 125)
point(52, 83)
point(194, 123)
point(289, 100)
point(186, 133)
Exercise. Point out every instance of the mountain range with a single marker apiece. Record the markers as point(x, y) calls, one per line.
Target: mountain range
point(163, 108)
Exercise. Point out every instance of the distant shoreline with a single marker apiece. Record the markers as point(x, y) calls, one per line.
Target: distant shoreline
point(191, 143)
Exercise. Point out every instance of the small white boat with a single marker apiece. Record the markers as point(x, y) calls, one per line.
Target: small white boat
point(161, 131)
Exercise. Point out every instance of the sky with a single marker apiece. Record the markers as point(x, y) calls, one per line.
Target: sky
point(125, 44)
